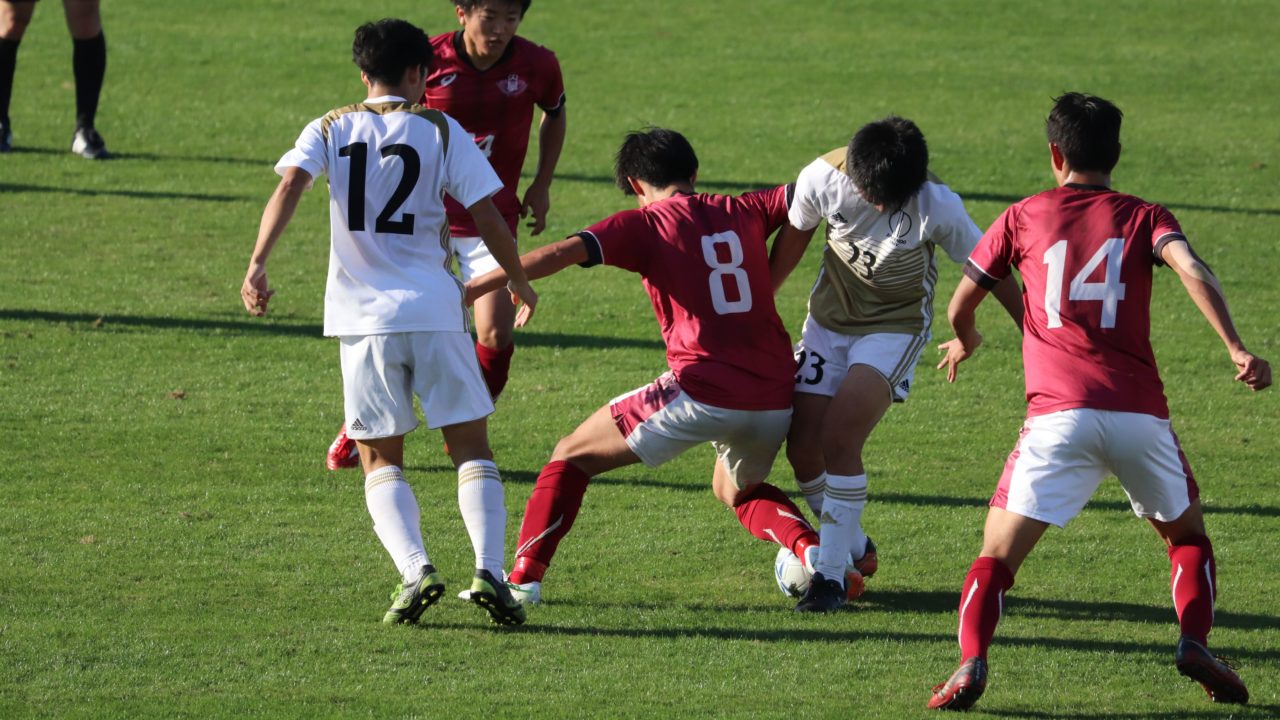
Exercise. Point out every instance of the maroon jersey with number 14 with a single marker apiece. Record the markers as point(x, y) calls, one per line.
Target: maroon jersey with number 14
point(496, 106)
point(1085, 254)
point(705, 263)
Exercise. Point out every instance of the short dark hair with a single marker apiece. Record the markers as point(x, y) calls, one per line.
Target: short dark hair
point(385, 49)
point(657, 156)
point(1086, 129)
point(888, 160)
point(469, 5)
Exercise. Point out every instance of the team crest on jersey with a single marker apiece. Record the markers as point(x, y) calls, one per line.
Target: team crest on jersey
point(512, 85)
point(447, 80)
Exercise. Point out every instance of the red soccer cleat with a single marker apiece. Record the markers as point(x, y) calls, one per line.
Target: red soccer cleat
point(963, 688)
point(869, 562)
point(343, 452)
point(1214, 674)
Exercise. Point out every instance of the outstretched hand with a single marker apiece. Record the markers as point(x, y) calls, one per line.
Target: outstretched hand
point(1253, 370)
point(957, 352)
point(523, 296)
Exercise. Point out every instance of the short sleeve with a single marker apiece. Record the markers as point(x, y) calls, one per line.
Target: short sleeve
point(1164, 230)
point(991, 261)
point(309, 153)
point(620, 240)
point(810, 204)
point(955, 232)
point(551, 97)
point(469, 178)
point(771, 205)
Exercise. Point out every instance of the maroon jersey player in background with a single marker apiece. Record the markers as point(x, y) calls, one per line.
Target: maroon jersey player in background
point(489, 80)
point(705, 264)
point(1095, 403)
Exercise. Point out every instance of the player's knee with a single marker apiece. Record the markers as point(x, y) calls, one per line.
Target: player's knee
point(494, 337)
point(83, 20)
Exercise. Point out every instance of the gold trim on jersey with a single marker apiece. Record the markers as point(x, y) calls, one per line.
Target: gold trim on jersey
point(435, 117)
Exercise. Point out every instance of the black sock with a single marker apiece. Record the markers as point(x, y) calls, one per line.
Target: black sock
point(89, 61)
point(8, 61)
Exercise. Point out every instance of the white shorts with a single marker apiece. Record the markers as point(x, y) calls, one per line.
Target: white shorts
point(382, 373)
point(1062, 457)
point(823, 358)
point(474, 258)
point(660, 421)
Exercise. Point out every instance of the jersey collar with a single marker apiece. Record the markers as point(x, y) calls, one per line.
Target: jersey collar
point(1083, 186)
point(460, 49)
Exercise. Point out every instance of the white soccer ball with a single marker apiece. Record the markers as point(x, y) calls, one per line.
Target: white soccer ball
point(791, 574)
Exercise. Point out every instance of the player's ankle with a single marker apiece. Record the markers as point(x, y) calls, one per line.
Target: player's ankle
point(527, 570)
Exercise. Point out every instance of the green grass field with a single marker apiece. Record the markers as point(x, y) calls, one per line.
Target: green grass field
point(172, 546)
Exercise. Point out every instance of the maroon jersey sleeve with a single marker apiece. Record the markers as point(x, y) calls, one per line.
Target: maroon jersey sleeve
point(770, 205)
point(551, 96)
point(1165, 229)
point(991, 261)
point(620, 240)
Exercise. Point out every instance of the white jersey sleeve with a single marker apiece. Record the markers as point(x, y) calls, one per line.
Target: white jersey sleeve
point(468, 177)
point(308, 153)
point(953, 230)
point(815, 195)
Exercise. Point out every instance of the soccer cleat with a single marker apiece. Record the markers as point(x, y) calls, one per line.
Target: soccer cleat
point(963, 688)
point(526, 594)
point(853, 585)
point(343, 453)
point(411, 599)
point(868, 563)
point(87, 143)
point(6, 138)
point(822, 596)
point(1216, 675)
point(495, 597)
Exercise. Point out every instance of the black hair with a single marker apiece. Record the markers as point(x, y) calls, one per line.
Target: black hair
point(385, 49)
point(888, 160)
point(469, 5)
point(657, 156)
point(1086, 129)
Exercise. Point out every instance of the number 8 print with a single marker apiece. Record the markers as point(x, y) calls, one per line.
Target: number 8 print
point(720, 271)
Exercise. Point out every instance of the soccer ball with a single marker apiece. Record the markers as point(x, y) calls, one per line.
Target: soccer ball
point(791, 574)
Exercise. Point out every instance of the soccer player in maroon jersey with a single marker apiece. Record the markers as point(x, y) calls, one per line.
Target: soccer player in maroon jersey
point(705, 264)
point(489, 80)
point(1095, 403)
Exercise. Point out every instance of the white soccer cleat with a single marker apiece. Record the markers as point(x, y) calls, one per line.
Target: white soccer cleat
point(529, 593)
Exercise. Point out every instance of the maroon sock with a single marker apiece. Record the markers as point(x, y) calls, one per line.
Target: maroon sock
point(1194, 579)
point(548, 516)
point(770, 515)
point(981, 602)
point(496, 366)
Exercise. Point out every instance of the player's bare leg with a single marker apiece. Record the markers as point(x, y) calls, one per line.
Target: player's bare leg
point(804, 447)
point(495, 318)
point(596, 446)
point(397, 523)
point(14, 19)
point(767, 513)
point(859, 403)
point(1194, 581)
point(1006, 541)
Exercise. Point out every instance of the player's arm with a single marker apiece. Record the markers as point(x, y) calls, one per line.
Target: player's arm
point(537, 197)
point(962, 314)
point(788, 248)
point(1010, 296)
point(539, 263)
point(497, 238)
point(1205, 290)
point(256, 291)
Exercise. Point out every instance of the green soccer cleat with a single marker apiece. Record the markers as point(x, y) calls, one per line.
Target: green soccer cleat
point(410, 600)
point(495, 597)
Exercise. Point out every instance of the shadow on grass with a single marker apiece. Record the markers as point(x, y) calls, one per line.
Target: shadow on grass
point(310, 330)
point(135, 194)
point(897, 498)
point(153, 157)
point(1222, 711)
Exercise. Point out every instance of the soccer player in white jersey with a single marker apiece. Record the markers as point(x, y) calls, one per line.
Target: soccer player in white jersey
point(869, 317)
point(395, 306)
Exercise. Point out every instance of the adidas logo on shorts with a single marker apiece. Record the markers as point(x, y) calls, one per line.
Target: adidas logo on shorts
point(357, 426)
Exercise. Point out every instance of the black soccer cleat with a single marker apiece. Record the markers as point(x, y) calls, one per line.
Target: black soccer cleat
point(1215, 675)
point(963, 688)
point(822, 596)
point(409, 600)
point(88, 144)
point(495, 597)
point(6, 138)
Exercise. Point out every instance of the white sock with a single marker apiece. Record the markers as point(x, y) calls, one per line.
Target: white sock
point(396, 519)
point(841, 529)
point(480, 499)
point(813, 491)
